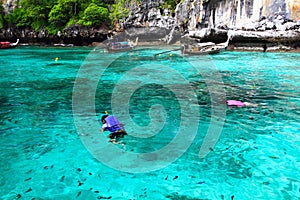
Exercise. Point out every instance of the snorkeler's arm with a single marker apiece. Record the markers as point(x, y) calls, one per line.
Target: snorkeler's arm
point(104, 126)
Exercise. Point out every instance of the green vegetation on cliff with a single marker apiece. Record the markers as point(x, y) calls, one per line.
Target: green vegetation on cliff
point(1, 17)
point(119, 10)
point(55, 15)
point(30, 13)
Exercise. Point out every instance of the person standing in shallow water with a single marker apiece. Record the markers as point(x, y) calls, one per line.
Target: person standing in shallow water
point(112, 124)
point(265, 48)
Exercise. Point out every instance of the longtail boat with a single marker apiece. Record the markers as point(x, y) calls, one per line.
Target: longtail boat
point(205, 48)
point(8, 45)
point(121, 46)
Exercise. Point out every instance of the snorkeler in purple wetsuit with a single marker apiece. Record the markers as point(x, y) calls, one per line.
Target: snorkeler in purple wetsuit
point(112, 124)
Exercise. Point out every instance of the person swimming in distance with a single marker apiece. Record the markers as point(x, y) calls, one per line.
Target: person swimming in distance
point(112, 124)
point(240, 103)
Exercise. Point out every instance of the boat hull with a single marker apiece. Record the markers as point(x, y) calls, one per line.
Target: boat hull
point(119, 49)
point(205, 52)
point(8, 45)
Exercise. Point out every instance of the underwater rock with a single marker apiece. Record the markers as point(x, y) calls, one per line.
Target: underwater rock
point(62, 179)
point(79, 183)
point(101, 197)
point(79, 195)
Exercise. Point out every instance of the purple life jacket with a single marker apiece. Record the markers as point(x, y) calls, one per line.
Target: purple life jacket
point(113, 124)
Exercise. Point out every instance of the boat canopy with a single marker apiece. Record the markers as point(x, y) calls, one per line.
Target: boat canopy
point(204, 44)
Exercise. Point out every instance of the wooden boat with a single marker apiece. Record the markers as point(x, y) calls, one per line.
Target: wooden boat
point(201, 49)
point(121, 46)
point(205, 48)
point(8, 45)
point(64, 45)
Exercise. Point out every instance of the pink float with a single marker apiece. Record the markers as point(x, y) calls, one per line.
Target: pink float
point(235, 103)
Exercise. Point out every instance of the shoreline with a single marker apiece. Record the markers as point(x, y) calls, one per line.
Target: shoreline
point(241, 40)
point(231, 47)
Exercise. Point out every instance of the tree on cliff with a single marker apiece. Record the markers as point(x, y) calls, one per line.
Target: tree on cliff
point(55, 15)
point(70, 12)
point(66, 13)
point(94, 15)
point(30, 13)
point(1, 17)
point(119, 10)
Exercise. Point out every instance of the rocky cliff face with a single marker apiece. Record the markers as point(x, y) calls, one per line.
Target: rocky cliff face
point(253, 21)
point(9, 5)
point(238, 14)
point(213, 13)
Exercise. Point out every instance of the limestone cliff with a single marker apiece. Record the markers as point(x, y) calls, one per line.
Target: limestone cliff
point(9, 5)
point(273, 22)
point(239, 13)
point(255, 21)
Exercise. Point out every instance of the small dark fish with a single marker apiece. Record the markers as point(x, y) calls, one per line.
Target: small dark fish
point(166, 178)
point(27, 179)
point(175, 177)
point(62, 179)
point(29, 190)
point(100, 197)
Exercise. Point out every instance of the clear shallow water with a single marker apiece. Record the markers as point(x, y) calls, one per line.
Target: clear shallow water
point(42, 156)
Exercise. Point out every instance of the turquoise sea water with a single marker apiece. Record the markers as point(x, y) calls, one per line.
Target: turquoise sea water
point(48, 153)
